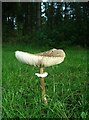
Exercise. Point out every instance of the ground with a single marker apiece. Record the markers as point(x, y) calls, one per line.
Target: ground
point(66, 85)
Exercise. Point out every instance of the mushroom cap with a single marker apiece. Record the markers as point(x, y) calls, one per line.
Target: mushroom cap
point(46, 59)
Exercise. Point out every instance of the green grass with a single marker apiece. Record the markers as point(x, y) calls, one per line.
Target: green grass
point(66, 86)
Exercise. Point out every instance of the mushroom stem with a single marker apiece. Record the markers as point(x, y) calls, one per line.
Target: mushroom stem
point(43, 86)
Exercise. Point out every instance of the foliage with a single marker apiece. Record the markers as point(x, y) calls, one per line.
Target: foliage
point(46, 23)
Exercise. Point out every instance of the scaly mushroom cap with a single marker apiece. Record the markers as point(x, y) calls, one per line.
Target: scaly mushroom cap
point(49, 58)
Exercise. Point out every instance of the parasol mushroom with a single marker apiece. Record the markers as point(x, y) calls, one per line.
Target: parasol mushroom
point(44, 59)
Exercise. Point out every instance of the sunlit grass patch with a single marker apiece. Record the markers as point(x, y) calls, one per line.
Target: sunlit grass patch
point(66, 86)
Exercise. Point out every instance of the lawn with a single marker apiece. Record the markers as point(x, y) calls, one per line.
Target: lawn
point(66, 85)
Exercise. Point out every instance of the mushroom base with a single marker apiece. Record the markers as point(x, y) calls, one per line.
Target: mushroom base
point(42, 84)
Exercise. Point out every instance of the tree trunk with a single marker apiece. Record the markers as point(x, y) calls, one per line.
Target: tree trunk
point(38, 15)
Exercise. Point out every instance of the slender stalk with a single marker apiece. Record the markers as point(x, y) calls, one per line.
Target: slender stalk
point(43, 86)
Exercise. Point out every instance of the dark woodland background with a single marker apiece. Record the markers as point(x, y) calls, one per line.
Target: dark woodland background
point(45, 24)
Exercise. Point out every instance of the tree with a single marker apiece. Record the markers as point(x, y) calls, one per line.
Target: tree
point(54, 22)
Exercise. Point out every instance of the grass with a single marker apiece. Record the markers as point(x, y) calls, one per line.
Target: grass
point(66, 86)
